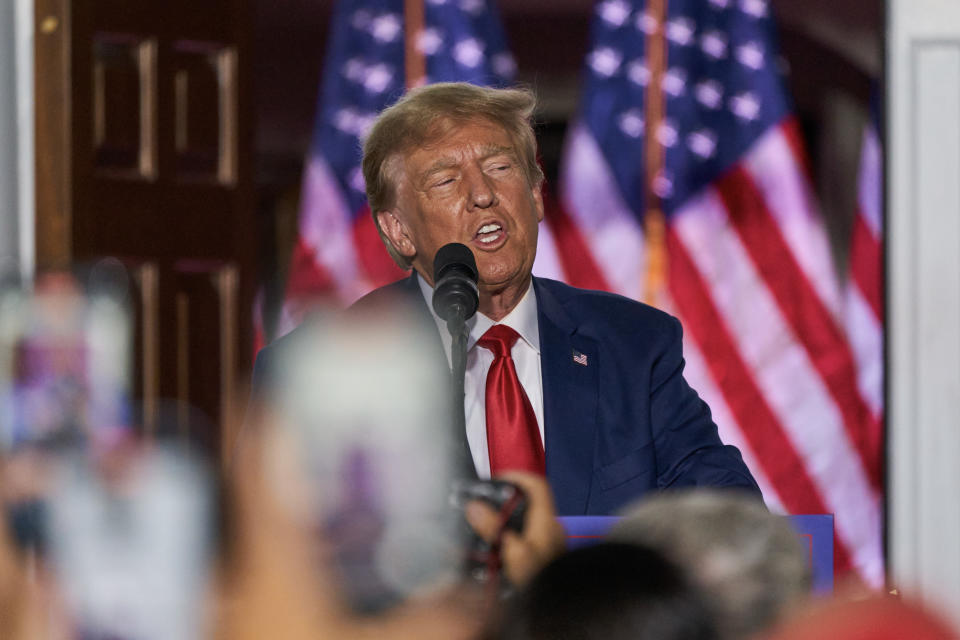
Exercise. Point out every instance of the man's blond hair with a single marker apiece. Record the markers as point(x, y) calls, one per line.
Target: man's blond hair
point(426, 114)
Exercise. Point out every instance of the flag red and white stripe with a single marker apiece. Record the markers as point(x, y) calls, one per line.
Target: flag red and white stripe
point(864, 312)
point(751, 278)
point(865, 291)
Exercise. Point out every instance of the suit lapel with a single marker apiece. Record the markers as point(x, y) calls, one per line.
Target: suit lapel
point(570, 370)
point(408, 291)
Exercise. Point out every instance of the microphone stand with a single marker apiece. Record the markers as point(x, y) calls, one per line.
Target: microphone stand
point(458, 356)
point(455, 299)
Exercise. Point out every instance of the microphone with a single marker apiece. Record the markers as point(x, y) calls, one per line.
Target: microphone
point(455, 294)
point(455, 299)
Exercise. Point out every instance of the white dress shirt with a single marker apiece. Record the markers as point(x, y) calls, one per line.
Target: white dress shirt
point(526, 357)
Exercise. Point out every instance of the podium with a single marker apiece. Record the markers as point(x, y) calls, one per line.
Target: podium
point(816, 532)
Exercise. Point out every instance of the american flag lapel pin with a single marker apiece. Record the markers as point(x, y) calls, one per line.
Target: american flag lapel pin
point(580, 358)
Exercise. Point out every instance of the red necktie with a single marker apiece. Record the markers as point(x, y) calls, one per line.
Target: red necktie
point(513, 437)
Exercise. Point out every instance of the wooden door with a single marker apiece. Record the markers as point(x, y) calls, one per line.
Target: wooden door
point(144, 152)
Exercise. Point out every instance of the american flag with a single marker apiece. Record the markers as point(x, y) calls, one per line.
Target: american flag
point(338, 255)
point(864, 313)
point(865, 287)
point(748, 267)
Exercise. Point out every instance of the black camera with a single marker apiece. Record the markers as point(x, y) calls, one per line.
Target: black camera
point(509, 500)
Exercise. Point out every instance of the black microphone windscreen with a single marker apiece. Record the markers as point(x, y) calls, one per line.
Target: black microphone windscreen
point(455, 294)
point(454, 253)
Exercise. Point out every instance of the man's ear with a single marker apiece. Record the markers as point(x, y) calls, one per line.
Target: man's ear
point(538, 201)
point(396, 231)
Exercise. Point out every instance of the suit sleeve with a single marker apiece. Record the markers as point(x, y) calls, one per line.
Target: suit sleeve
point(688, 447)
point(262, 372)
point(261, 388)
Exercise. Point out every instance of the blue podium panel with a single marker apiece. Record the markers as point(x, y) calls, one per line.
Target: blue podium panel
point(586, 530)
point(816, 532)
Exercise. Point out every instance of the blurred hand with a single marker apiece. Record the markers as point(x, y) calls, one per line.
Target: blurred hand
point(11, 582)
point(27, 609)
point(278, 582)
point(274, 582)
point(452, 614)
point(542, 539)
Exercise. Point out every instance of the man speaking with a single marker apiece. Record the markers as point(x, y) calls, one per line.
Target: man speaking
point(583, 386)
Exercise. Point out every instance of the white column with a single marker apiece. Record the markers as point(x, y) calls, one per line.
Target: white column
point(16, 137)
point(9, 237)
point(923, 289)
point(26, 193)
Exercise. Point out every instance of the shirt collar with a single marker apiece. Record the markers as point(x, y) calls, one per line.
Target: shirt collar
point(523, 319)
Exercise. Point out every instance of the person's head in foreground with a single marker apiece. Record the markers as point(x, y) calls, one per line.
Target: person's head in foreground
point(609, 591)
point(454, 162)
point(750, 562)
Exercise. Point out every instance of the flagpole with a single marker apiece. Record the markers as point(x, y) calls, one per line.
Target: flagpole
point(415, 64)
point(654, 222)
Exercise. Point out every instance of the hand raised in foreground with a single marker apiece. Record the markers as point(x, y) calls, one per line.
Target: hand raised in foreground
point(523, 554)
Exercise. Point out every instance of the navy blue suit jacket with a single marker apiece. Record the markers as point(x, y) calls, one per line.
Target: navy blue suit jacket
point(622, 425)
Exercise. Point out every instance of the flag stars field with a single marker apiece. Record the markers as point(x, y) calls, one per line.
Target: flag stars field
point(631, 123)
point(469, 52)
point(504, 64)
point(755, 8)
point(614, 12)
point(647, 23)
point(751, 55)
point(386, 27)
point(675, 82)
point(714, 44)
point(709, 93)
point(681, 31)
point(639, 73)
point(746, 106)
point(605, 61)
point(429, 41)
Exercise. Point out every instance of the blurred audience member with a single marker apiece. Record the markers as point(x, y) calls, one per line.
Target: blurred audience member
point(279, 583)
point(25, 607)
point(749, 561)
point(610, 591)
point(11, 583)
point(876, 618)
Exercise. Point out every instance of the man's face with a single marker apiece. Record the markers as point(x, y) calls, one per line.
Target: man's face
point(468, 187)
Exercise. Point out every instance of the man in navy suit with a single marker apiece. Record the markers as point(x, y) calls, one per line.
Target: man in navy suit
point(610, 415)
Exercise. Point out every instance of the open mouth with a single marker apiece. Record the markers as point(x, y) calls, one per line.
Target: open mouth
point(489, 234)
